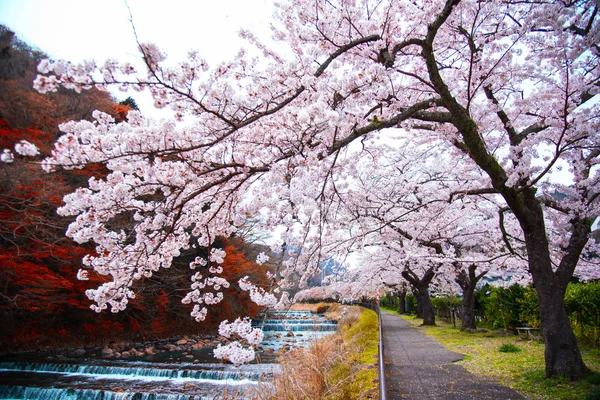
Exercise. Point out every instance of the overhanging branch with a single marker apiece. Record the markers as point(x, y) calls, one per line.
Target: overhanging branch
point(472, 192)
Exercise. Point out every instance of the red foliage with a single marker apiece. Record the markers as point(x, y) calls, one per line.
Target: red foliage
point(121, 112)
point(134, 326)
point(40, 299)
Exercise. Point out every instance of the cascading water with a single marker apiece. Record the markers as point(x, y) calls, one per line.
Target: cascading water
point(157, 377)
point(103, 379)
point(294, 328)
point(277, 325)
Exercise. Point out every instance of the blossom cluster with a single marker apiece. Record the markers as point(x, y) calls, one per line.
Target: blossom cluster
point(23, 148)
point(201, 283)
point(235, 352)
point(262, 258)
point(258, 295)
point(7, 156)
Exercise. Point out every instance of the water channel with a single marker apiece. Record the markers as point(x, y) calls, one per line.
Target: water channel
point(167, 375)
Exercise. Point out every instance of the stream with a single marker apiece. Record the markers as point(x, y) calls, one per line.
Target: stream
point(173, 374)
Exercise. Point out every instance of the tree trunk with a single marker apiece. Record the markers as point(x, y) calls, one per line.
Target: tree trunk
point(421, 286)
point(402, 302)
point(468, 310)
point(468, 283)
point(426, 307)
point(562, 355)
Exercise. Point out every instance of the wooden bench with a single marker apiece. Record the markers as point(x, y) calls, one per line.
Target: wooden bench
point(529, 333)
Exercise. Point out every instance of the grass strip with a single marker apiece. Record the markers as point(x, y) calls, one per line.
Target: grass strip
point(357, 375)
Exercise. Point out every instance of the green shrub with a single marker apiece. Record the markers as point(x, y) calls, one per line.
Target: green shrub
point(593, 378)
point(582, 302)
point(593, 395)
point(508, 308)
point(529, 308)
point(443, 306)
point(411, 303)
point(501, 306)
point(509, 348)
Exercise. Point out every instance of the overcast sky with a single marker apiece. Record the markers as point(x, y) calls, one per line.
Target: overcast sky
point(76, 30)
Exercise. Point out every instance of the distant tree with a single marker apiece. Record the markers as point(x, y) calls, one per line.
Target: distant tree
point(401, 291)
point(123, 108)
point(23, 107)
point(421, 288)
point(130, 102)
point(17, 58)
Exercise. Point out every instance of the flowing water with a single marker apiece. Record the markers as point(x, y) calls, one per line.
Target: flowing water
point(164, 376)
point(292, 329)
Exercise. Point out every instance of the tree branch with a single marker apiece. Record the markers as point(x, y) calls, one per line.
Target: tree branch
point(472, 192)
point(389, 123)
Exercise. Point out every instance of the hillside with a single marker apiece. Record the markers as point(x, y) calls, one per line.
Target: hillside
point(42, 304)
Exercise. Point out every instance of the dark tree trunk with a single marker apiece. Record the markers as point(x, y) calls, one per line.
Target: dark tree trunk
point(468, 311)
point(402, 302)
point(562, 355)
point(421, 286)
point(468, 282)
point(426, 307)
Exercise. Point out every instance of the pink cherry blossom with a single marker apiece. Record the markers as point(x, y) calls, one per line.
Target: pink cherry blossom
point(427, 133)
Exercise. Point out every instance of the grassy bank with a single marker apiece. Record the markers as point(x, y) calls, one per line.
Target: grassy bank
point(520, 365)
point(340, 366)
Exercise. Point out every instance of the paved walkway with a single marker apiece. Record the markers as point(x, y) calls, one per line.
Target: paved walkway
point(418, 368)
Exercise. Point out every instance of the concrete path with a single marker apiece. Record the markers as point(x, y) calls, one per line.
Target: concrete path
point(419, 368)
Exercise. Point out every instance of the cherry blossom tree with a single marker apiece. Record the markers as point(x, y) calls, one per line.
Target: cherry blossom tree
point(511, 85)
point(410, 207)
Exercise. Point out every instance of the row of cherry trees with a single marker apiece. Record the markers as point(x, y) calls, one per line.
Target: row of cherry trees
point(493, 101)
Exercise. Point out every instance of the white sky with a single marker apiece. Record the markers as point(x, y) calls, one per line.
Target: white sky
point(75, 30)
point(78, 29)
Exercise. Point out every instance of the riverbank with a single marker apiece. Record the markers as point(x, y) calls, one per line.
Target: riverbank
point(343, 365)
point(189, 348)
point(175, 369)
